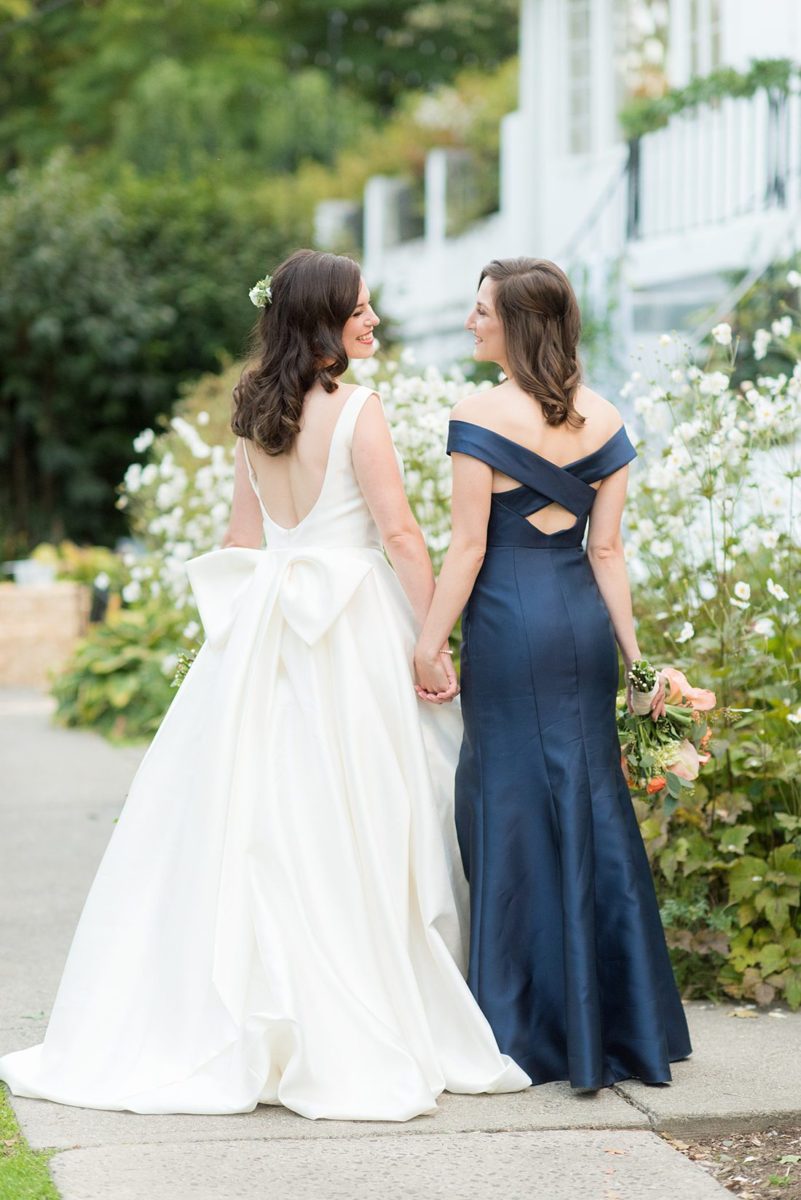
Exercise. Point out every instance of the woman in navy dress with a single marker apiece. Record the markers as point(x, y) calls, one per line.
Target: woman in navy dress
point(567, 954)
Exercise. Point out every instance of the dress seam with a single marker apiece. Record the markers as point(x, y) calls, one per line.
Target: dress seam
point(480, 929)
point(591, 813)
point(554, 814)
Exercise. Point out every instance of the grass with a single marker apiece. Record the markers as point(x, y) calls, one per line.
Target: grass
point(23, 1172)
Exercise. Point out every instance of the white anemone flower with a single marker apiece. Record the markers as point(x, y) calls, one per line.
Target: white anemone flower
point(132, 591)
point(144, 440)
point(713, 383)
point(782, 328)
point(777, 591)
point(760, 343)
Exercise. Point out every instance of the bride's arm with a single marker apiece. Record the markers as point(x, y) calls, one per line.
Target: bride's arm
point(379, 478)
point(245, 526)
point(470, 509)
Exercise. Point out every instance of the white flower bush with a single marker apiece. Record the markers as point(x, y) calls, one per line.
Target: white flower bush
point(718, 481)
point(714, 550)
point(179, 509)
point(418, 408)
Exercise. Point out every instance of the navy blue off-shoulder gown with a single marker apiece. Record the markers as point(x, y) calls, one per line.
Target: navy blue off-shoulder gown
point(567, 954)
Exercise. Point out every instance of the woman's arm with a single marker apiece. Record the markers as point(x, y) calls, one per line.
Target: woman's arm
point(472, 497)
point(379, 478)
point(605, 553)
point(245, 525)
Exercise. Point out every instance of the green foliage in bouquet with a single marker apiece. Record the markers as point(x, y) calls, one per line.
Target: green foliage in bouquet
point(714, 550)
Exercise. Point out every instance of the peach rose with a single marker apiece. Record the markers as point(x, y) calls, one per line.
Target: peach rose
point(687, 763)
point(701, 699)
point(656, 784)
point(679, 689)
point(677, 684)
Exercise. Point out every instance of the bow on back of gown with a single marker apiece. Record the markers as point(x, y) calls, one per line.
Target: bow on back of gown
point(321, 560)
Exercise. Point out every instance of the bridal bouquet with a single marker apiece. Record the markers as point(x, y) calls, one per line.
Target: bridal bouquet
point(664, 754)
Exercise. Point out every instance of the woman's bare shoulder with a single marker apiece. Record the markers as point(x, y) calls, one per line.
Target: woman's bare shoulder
point(475, 406)
point(596, 408)
point(344, 391)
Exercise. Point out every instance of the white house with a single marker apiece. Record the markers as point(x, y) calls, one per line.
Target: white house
point(717, 189)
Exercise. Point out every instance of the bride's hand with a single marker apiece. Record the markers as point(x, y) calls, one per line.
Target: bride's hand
point(435, 677)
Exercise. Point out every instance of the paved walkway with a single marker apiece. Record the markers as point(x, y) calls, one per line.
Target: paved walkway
point(59, 794)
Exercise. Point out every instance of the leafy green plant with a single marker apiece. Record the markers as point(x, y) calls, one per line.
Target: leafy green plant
point(82, 564)
point(119, 679)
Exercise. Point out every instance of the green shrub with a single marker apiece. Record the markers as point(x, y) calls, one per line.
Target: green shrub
point(119, 678)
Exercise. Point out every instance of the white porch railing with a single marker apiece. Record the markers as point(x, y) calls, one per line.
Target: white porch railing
point(716, 164)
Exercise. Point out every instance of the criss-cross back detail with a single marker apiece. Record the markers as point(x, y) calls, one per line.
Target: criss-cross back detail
point(541, 482)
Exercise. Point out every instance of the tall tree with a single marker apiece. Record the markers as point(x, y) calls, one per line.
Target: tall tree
point(107, 304)
point(72, 74)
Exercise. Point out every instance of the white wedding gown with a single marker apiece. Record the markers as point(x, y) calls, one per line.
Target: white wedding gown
point(280, 914)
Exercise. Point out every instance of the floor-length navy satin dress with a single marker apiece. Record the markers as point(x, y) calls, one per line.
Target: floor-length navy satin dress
point(567, 954)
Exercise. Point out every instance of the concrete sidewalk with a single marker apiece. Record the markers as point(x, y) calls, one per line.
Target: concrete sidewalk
point(61, 791)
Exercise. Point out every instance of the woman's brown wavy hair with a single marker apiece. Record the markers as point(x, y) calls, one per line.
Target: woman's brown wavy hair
point(541, 319)
point(297, 342)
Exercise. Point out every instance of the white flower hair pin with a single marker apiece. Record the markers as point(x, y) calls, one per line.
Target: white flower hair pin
point(261, 294)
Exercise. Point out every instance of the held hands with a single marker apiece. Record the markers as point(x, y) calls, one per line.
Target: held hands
point(435, 676)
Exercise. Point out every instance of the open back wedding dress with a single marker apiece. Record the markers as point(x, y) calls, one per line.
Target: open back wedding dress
point(279, 916)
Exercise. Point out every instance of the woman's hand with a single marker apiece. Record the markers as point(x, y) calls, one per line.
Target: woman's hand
point(435, 676)
point(657, 709)
point(659, 700)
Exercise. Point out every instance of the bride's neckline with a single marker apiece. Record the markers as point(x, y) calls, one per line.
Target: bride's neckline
point(255, 483)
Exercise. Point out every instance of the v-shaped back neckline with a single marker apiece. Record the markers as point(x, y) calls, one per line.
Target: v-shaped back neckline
point(254, 482)
point(567, 467)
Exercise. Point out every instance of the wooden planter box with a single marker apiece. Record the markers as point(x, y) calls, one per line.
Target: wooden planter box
point(39, 626)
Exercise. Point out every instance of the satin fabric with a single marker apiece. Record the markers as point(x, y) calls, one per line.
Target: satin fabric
point(280, 916)
point(567, 954)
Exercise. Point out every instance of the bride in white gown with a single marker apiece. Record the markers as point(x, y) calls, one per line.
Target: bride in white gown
point(280, 914)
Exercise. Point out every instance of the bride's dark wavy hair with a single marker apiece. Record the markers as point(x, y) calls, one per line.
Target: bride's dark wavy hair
point(297, 341)
point(542, 323)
